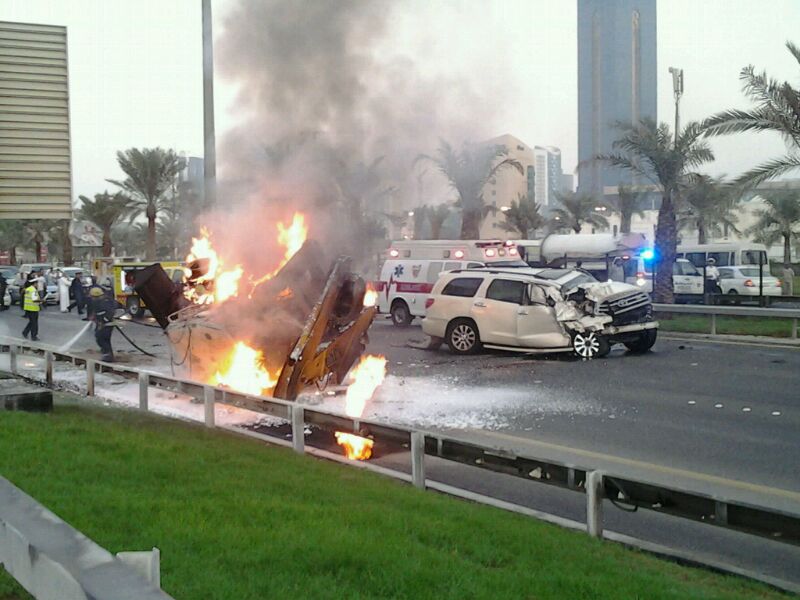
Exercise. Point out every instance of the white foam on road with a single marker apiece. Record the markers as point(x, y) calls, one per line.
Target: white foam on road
point(438, 402)
point(447, 403)
point(117, 390)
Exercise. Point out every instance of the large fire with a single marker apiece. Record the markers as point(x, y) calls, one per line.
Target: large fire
point(366, 377)
point(216, 284)
point(243, 370)
point(292, 239)
point(219, 283)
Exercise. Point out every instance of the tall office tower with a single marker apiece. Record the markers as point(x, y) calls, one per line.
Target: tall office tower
point(616, 80)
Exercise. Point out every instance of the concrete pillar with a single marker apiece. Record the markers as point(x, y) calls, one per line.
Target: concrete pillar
point(144, 383)
point(90, 378)
point(298, 429)
point(48, 368)
point(418, 459)
point(12, 357)
point(594, 504)
point(208, 401)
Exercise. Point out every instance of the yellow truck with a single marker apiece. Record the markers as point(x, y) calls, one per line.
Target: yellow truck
point(122, 277)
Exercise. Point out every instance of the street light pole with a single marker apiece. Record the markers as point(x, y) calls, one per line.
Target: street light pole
point(677, 90)
point(209, 138)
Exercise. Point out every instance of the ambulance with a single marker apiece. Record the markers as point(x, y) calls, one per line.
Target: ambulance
point(411, 268)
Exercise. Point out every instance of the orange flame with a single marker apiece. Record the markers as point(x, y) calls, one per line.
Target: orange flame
point(214, 285)
point(366, 377)
point(370, 297)
point(292, 239)
point(243, 370)
point(355, 446)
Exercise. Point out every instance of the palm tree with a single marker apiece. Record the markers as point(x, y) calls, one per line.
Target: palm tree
point(105, 211)
point(420, 216)
point(150, 174)
point(577, 209)
point(12, 235)
point(649, 150)
point(777, 109)
point(38, 230)
point(522, 217)
point(437, 215)
point(707, 206)
point(626, 205)
point(467, 172)
point(778, 221)
point(60, 240)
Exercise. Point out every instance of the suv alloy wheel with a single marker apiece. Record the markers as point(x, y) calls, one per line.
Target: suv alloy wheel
point(590, 344)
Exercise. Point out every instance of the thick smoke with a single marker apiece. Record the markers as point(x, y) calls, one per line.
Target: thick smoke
point(330, 119)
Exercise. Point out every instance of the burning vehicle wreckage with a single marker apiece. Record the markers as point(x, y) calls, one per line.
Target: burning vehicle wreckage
point(299, 326)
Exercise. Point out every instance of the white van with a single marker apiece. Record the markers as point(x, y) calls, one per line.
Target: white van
point(725, 254)
point(413, 266)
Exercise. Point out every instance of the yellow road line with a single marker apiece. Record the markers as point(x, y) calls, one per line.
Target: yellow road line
point(742, 485)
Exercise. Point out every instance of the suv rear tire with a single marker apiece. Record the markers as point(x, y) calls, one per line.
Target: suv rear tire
point(590, 345)
point(462, 337)
point(645, 341)
point(401, 314)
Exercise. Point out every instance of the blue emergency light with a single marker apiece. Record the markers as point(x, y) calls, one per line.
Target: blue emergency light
point(648, 254)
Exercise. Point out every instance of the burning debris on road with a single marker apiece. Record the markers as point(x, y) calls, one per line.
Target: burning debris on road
point(275, 333)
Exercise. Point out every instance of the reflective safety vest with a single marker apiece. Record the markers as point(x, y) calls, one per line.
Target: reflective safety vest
point(30, 304)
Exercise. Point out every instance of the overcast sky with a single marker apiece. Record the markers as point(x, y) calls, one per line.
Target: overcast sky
point(135, 67)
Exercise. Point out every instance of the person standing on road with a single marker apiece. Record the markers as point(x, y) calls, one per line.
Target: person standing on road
point(102, 311)
point(76, 291)
point(41, 287)
point(3, 286)
point(92, 294)
point(712, 277)
point(31, 305)
point(63, 292)
point(787, 280)
point(616, 272)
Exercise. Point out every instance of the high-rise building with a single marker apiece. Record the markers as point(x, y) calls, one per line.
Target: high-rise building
point(508, 184)
point(616, 80)
point(548, 175)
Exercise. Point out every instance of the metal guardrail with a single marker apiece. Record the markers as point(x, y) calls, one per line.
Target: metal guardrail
point(620, 487)
point(54, 561)
point(732, 311)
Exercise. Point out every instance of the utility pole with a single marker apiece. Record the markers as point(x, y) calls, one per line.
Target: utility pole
point(677, 89)
point(209, 147)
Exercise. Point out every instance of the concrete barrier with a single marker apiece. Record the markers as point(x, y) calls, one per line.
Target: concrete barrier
point(54, 561)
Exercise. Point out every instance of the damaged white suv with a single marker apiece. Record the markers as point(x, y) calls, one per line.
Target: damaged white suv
point(537, 311)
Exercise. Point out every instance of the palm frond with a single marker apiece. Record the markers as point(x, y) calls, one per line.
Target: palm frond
point(769, 170)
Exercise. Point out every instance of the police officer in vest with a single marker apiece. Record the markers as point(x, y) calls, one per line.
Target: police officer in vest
point(31, 304)
point(102, 313)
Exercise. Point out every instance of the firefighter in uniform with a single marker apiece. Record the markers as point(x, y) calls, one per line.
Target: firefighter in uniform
point(102, 313)
point(31, 305)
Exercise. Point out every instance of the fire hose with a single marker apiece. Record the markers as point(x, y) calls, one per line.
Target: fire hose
point(132, 343)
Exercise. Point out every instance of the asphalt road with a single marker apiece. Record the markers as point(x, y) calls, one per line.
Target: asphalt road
point(727, 410)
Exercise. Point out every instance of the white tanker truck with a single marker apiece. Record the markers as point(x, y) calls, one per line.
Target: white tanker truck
point(593, 252)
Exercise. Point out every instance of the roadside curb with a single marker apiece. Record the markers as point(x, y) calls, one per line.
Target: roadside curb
point(761, 340)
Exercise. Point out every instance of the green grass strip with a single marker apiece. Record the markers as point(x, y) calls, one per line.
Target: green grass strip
point(237, 519)
point(727, 325)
